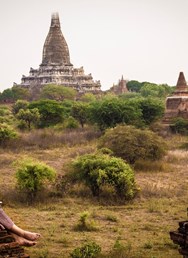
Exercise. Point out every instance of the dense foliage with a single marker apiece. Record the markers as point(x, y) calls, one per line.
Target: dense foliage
point(51, 112)
point(19, 104)
point(80, 112)
point(89, 250)
point(29, 117)
point(98, 169)
point(57, 92)
point(180, 125)
point(14, 93)
point(32, 176)
point(109, 112)
point(6, 134)
point(132, 144)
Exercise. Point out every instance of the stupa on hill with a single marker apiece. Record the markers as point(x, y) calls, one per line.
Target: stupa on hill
point(121, 87)
point(177, 104)
point(56, 67)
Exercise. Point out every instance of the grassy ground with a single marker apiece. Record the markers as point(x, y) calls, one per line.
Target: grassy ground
point(141, 226)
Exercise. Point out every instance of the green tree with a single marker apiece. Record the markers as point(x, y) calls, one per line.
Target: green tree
point(134, 86)
point(133, 144)
point(152, 109)
point(112, 111)
point(6, 134)
point(80, 112)
point(99, 169)
point(32, 176)
point(51, 112)
point(20, 104)
point(14, 93)
point(21, 93)
point(57, 92)
point(29, 116)
point(155, 90)
point(88, 97)
point(7, 96)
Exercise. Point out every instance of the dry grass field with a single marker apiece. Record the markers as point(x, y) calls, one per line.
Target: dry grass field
point(138, 229)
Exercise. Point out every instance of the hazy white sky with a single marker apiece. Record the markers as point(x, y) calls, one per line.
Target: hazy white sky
point(144, 40)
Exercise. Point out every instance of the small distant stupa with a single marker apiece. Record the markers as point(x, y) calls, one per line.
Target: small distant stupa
point(56, 67)
point(177, 104)
point(121, 87)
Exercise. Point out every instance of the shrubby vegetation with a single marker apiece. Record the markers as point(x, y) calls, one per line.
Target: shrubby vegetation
point(19, 104)
point(6, 134)
point(57, 92)
point(109, 112)
point(32, 176)
point(96, 170)
point(180, 125)
point(51, 112)
point(89, 250)
point(14, 93)
point(132, 144)
point(29, 117)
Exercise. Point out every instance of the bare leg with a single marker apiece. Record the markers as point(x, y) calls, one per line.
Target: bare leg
point(22, 241)
point(24, 234)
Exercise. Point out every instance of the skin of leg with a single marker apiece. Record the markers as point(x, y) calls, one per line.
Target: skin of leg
point(25, 234)
point(22, 241)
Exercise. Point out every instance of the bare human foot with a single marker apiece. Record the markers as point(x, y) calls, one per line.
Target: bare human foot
point(31, 236)
point(22, 241)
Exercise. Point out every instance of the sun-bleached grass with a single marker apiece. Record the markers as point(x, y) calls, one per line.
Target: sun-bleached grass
point(137, 229)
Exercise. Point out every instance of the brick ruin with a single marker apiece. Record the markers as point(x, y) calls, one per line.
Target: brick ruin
point(177, 104)
point(56, 67)
point(121, 87)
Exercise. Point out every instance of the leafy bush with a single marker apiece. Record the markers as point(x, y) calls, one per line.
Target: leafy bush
point(109, 112)
point(29, 116)
point(180, 125)
point(32, 176)
point(98, 169)
point(71, 123)
point(51, 112)
point(6, 134)
point(85, 224)
point(132, 144)
point(90, 250)
point(20, 104)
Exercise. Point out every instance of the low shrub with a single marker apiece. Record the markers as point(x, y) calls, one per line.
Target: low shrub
point(132, 144)
point(85, 224)
point(6, 134)
point(180, 125)
point(96, 170)
point(32, 176)
point(89, 250)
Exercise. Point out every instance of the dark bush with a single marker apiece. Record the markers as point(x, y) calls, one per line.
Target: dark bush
point(132, 144)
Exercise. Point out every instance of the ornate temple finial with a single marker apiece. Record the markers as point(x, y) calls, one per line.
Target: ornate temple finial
point(55, 20)
point(181, 83)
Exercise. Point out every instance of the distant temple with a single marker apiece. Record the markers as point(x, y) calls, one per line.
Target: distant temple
point(177, 104)
point(56, 67)
point(121, 87)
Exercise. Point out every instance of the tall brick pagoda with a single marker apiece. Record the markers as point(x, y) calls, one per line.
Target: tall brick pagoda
point(56, 67)
point(177, 104)
point(121, 87)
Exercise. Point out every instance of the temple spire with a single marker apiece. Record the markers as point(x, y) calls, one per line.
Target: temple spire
point(55, 50)
point(181, 85)
point(55, 20)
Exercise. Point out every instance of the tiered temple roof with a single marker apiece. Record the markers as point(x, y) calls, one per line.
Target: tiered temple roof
point(177, 104)
point(121, 87)
point(56, 67)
